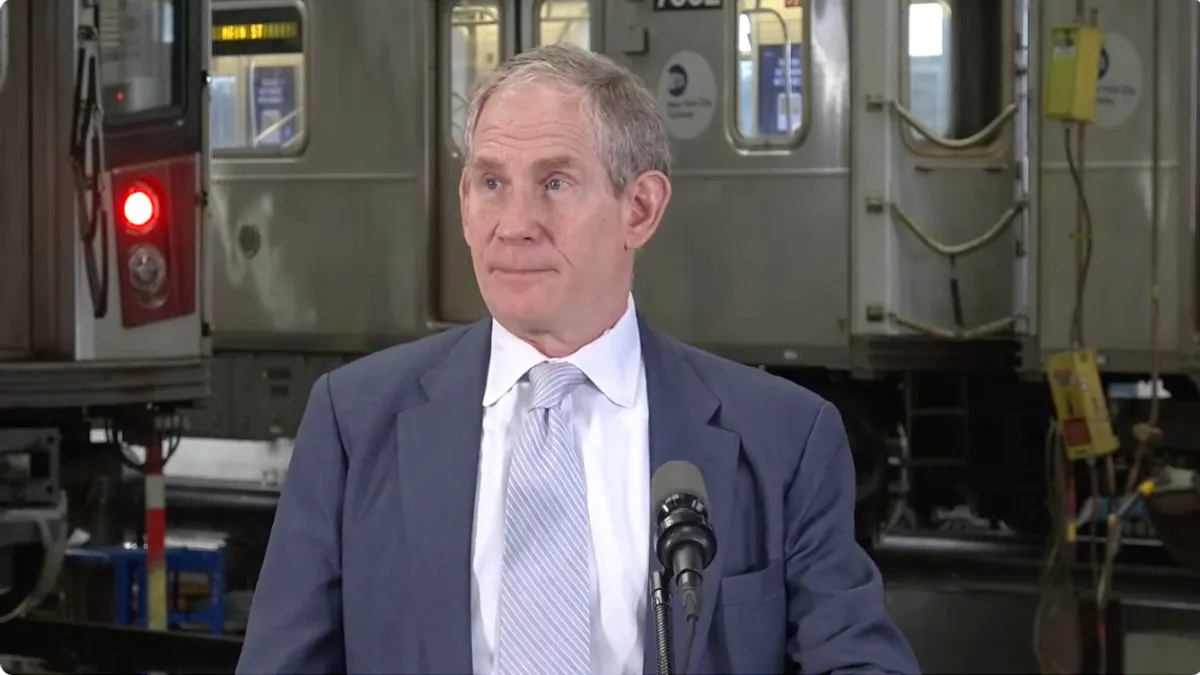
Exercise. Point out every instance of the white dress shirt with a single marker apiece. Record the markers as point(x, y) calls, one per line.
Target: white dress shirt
point(610, 416)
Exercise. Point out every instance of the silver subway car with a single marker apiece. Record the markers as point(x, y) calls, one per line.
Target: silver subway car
point(844, 180)
point(868, 202)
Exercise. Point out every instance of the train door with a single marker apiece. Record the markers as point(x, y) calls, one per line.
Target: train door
point(751, 260)
point(941, 189)
point(101, 171)
point(14, 180)
point(475, 37)
point(150, 70)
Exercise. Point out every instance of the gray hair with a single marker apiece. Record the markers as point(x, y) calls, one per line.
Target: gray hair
point(630, 133)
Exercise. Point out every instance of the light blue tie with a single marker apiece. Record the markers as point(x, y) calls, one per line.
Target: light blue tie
point(545, 606)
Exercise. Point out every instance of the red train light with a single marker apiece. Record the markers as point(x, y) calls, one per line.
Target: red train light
point(155, 215)
point(140, 209)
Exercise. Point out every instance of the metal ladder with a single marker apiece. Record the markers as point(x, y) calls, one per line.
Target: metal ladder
point(942, 415)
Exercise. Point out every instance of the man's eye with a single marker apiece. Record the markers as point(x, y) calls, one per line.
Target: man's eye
point(555, 184)
point(491, 184)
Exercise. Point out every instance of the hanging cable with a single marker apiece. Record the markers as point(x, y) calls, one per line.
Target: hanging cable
point(1146, 434)
point(1055, 622)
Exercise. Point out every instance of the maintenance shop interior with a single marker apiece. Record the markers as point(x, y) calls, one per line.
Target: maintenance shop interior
point(969, 224)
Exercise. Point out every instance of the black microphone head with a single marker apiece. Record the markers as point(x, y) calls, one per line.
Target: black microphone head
point(677, 477)
point(684, 539)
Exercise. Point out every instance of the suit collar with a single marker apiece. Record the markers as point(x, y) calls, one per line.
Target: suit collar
point(612, 361)
point(464, 363)
point(438, 469)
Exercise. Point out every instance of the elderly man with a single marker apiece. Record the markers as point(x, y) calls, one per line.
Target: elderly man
point(479, 501)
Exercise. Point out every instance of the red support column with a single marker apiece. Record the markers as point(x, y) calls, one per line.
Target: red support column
point(156, 539)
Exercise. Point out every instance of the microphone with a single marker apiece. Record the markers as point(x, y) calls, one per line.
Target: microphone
point(684, 539)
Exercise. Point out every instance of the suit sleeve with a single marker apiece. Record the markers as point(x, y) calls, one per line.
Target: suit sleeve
point(295, 623)
point(838, 620)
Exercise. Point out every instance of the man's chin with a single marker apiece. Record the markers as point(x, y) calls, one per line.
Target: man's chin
point(532, 310)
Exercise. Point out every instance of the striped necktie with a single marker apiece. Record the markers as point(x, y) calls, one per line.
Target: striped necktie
point(545, 604)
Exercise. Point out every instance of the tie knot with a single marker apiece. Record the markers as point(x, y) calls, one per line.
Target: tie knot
point(552, 381)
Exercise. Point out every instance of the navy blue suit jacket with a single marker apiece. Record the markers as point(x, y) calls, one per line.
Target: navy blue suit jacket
point(368, 568)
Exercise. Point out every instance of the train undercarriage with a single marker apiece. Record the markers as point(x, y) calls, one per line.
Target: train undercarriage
point(952, 500)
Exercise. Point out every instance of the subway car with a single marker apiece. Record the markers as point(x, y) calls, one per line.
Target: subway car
point(870, 203)
point(104, 275)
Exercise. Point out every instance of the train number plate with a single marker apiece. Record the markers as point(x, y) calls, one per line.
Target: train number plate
point(673, 5)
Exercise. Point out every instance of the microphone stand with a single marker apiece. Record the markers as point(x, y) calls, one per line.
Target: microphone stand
point(660, 596)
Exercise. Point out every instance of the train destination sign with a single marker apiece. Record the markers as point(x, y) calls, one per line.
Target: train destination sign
point(279, 30)
point(262, 30)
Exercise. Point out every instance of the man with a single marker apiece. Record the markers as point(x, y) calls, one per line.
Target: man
point(478, 501)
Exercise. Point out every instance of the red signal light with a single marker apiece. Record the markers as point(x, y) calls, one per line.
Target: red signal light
point(140, 209)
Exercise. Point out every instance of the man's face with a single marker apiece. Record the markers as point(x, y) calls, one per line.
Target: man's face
point(549, 238)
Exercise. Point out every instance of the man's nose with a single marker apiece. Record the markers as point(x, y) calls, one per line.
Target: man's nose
point(518, 218)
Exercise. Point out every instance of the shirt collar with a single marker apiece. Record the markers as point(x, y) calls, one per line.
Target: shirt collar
point(611, 362)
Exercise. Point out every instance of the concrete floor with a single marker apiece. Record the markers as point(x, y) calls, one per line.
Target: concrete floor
point(964, 631)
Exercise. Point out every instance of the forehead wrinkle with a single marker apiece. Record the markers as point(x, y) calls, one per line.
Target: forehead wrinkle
point(558, 146)
point(558, 162)
point(556, 154)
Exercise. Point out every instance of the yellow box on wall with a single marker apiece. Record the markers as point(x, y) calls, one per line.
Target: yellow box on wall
point(1073, 73)
point(1080, 405)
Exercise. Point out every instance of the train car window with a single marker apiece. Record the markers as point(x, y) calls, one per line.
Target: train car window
point(475, 50)
point(955, 66)
point(772, 72)
point(564, 21)
point(257, 90)
point(140, 59)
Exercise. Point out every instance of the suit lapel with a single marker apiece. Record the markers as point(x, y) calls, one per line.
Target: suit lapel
point(438, 442)
point(684, 426)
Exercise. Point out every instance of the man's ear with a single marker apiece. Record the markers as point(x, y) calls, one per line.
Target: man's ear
point(463, 197)
point(647, 197)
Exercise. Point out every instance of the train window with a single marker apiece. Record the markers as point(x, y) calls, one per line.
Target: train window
point(257, 88)
point(564, 21)
point(955, 65)
point(140, 60)
point(771, 72)
point(475, 50)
